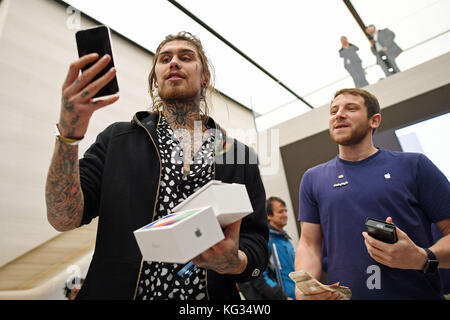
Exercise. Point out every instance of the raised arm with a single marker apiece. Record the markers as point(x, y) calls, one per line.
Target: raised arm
point(63, 194)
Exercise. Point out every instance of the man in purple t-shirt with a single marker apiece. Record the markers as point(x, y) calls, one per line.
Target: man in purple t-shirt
point(336, 197)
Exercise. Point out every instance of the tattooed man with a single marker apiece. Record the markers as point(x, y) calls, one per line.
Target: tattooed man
point(138, 171)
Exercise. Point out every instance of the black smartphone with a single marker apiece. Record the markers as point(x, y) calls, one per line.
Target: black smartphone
point(98, 40)
point(381, 230)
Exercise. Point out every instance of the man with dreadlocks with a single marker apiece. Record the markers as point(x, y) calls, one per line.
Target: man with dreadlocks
point(138, 171)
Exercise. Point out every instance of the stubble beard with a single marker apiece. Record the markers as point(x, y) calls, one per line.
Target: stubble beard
point(355, 137)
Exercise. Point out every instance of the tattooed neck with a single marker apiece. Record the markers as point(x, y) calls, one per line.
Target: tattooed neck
point(181, 113)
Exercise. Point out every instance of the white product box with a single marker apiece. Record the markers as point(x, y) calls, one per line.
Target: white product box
point(182, 240)
point(195, 224)
point(229, 201)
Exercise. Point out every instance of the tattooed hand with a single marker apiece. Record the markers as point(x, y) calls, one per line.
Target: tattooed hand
point(77, 105)
point(63, 194)
point(225, 257)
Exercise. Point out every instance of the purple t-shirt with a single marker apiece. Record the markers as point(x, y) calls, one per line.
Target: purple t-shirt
point(339, 195)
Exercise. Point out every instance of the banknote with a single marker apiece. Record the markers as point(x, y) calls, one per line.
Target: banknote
point(311, 286)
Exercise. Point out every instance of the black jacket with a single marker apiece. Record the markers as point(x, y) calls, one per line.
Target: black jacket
point(120, 176)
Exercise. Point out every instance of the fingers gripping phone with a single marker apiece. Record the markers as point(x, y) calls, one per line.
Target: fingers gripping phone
point(97, 40)
point(381, 230)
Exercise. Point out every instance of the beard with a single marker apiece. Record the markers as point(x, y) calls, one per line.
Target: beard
point(178, 92)
point(354, 137)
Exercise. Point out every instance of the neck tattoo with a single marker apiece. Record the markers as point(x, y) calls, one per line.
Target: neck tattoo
point(184, 119)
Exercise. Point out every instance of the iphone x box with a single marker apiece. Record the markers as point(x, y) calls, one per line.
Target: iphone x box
point(195, 224)
point(230, 201)
point(177, 238)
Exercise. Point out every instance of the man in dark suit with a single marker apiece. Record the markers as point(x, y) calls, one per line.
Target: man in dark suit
point(384, 48)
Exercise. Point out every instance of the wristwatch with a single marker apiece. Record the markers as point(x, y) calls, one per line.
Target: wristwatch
point(432, 263)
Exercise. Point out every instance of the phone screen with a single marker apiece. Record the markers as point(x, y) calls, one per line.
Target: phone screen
point(98, 40)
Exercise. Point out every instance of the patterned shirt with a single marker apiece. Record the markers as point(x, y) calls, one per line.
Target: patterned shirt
point(160, 280)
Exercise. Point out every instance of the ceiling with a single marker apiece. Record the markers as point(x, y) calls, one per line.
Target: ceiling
point(296, 43)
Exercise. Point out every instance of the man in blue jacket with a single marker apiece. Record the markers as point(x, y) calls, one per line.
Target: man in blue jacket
point(275, 283)
point(282, 254)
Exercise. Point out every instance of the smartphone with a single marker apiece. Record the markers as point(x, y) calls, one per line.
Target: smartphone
point(381, 230)
point(98, 40)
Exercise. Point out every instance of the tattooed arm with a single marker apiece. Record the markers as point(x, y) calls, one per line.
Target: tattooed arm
point(63, 194)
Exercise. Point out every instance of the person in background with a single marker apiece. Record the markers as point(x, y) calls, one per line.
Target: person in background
point(352, 63)
point(275, 283)
point(384, 48)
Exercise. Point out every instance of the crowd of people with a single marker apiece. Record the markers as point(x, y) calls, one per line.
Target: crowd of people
point(129, 177)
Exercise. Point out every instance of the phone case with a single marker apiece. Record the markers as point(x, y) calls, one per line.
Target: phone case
point(381, 230)
point(98, 40)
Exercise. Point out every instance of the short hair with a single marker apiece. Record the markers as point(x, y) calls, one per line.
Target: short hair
point(370, 101)
point(269, 206)
point(206, 65)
